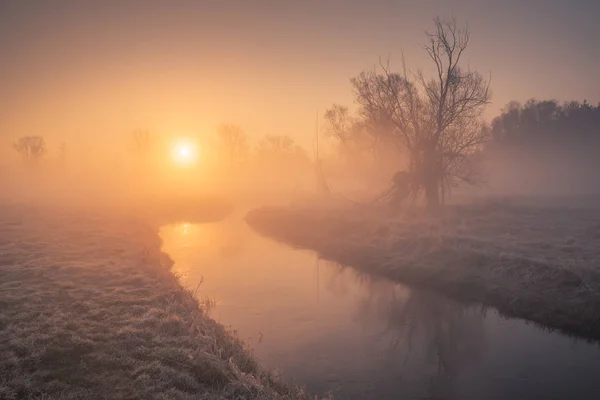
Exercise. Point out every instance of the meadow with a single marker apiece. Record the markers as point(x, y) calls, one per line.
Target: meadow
point(89, 308)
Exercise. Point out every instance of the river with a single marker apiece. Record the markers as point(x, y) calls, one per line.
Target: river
point(329, 328)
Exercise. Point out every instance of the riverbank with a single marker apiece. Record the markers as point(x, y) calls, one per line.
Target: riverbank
point(90, 310)
point(536, 263)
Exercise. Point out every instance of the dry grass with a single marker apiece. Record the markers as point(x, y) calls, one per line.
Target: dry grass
point(538, 263)
point(90, 310)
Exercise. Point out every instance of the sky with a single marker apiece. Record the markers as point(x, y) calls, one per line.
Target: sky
point(81, 70)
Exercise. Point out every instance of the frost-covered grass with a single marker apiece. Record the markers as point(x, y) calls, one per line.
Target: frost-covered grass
point(90, 310)
point(538, 263)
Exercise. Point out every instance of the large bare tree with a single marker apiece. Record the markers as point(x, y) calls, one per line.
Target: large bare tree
point(31, 148)
point(437, 120)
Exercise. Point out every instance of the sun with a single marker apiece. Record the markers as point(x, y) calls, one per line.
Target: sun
point(185, 152)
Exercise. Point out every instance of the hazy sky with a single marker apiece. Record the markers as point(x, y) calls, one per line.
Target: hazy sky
point(88, 68)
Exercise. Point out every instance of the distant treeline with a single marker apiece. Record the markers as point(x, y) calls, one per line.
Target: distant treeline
point(545, 147)
point(546, 121)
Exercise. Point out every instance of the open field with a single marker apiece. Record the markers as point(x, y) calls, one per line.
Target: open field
point(90, 310)
point(540, 263)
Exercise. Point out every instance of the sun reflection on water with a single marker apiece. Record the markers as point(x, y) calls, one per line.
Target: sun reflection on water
point(200, 248)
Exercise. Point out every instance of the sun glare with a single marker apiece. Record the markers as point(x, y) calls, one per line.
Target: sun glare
point(185, 153)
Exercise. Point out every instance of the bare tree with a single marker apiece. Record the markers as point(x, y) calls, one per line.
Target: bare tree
point(275, 146)
point(438, 121)
point(340, 124)
point(280, 149)
point(31, 148)
point(349, 131)
point(143, 142)
point(234, 141)
point(62, 153)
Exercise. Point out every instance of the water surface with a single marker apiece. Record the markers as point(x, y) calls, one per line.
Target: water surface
point(330, 328)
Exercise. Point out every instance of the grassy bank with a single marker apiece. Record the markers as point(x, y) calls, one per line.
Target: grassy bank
point(90, 310)
point(536, 263)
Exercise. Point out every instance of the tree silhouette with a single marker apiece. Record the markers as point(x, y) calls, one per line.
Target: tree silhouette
point(278, 147)
point(234, 142)
point(143, 142)
point(280, 151)
point(438, 121)
point(546, 122)
point(546, 147)
point(31, 148)
point(341, 125)
point(62, 153)
point(350, 133)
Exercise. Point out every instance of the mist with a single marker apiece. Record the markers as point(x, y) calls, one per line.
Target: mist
point(317, 200)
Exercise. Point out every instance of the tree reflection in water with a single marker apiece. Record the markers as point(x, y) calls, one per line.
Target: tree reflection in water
point(445, 335)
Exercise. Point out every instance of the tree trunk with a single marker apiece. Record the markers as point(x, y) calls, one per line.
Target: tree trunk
point(431, 179)
point(432, 195)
